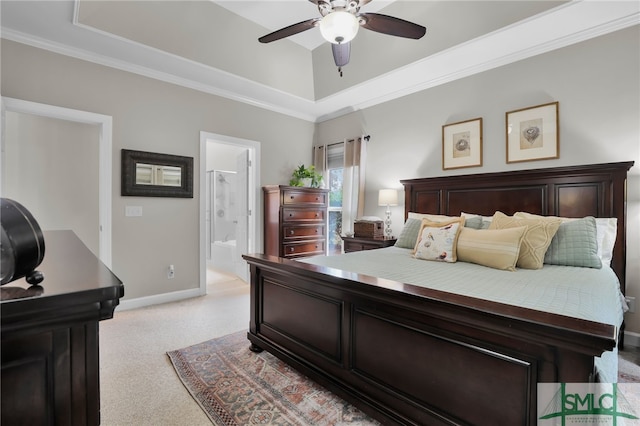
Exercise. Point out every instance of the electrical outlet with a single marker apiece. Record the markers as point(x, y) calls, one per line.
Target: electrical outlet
point(631, 302)
point(133, 211)
point(171, 272)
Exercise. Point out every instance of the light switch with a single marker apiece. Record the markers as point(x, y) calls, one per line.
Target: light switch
point(133, 211)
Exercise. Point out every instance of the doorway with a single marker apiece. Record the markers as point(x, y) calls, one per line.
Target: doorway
point(101, 156)
point(229, 183)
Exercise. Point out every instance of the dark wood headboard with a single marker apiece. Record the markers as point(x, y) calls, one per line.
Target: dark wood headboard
point(597, 190)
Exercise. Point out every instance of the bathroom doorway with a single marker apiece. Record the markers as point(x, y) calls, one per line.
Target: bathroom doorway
point(229, 179)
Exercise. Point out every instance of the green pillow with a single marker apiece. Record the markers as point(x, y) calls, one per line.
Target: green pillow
point(473, 222)
point(575, 244)
point(409, 234)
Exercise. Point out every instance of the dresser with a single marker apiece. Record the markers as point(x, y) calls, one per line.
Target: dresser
point(295, 221)
point(50, 368)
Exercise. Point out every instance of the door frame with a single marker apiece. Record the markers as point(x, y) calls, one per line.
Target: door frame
point(254, 228)
point(104, 123)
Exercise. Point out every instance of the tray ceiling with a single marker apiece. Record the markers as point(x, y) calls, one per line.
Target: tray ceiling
point(212, 45)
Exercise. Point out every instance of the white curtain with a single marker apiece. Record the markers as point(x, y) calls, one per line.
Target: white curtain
point(355, 158)
point(353, 184)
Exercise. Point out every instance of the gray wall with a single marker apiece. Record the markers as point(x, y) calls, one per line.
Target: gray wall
point(595, 82)
point(598, 89)
point(40, 169)
point(149, 115)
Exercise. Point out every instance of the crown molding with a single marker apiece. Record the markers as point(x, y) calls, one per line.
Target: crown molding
point(185, 73)
point(565, 25)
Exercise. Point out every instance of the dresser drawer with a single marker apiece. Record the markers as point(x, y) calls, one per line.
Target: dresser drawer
point(306, 248)
point(293, 232)
point(300, 197)
point(302, 215)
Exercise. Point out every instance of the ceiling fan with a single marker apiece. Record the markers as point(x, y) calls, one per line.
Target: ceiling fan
point(339, 23)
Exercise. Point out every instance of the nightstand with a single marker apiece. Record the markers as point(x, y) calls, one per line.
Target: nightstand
point(364, 243)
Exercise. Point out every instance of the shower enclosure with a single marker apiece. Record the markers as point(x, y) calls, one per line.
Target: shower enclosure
point(221, 219)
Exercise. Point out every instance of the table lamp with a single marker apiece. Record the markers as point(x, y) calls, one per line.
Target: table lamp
point(388, 197)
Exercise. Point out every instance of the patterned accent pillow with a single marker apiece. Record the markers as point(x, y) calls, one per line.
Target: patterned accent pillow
point(575, 244)
point(437, 240)
point(409, 234)
point(497, 249)
point(536, 238)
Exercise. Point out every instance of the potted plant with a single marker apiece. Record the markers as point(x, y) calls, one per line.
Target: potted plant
point(306, 176)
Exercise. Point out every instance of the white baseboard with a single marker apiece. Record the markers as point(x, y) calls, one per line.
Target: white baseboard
point(631, 339)
point(141, 302)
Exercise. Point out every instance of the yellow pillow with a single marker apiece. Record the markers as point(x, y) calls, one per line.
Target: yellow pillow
point(437, 240)
point(536, 240)
point(497, 249)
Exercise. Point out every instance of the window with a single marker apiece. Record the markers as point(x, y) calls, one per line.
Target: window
point(342, 166)
point(335, 174)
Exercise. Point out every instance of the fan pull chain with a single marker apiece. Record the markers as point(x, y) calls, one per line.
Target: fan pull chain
point(340, 71)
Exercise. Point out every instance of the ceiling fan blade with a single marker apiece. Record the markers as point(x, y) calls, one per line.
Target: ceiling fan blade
point(290, 30)
point(341, 53)
point(393, 26)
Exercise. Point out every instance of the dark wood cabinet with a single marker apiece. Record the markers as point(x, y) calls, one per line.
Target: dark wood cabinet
point(295, 221)
point(50, 351)
point(364, 243)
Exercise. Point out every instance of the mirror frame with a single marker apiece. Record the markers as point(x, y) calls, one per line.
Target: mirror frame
point(131, 158)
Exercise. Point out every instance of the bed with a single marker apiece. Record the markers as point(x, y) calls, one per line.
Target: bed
point(408, 354)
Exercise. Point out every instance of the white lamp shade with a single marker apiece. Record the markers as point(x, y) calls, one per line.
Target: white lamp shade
point(388, 197)
point(339, 27)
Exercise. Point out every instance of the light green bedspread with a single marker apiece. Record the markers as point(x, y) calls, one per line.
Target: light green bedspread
point(591, 294)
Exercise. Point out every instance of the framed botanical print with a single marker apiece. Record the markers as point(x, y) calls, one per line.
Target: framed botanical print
point(462, 144)
point(533, 133)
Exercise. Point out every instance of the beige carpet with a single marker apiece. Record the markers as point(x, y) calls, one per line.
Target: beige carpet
point(138, 383)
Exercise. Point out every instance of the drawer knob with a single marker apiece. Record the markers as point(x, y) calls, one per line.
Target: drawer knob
point(317, 214)
point(291, 249)
point(290, 214)
point(292, 232)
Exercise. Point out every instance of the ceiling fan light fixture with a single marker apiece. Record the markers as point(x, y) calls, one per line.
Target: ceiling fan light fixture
point(339, 27)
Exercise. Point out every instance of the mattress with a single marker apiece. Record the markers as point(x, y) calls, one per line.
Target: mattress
point(586, 293)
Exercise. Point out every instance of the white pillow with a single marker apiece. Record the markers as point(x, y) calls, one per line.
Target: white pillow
point(606, 232)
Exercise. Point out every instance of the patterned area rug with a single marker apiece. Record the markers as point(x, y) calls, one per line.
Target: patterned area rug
point(235, 386)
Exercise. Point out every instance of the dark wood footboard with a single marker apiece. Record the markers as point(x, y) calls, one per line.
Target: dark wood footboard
point(410, 355)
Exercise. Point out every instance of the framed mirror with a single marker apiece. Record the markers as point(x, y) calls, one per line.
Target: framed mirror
point(149, 174)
